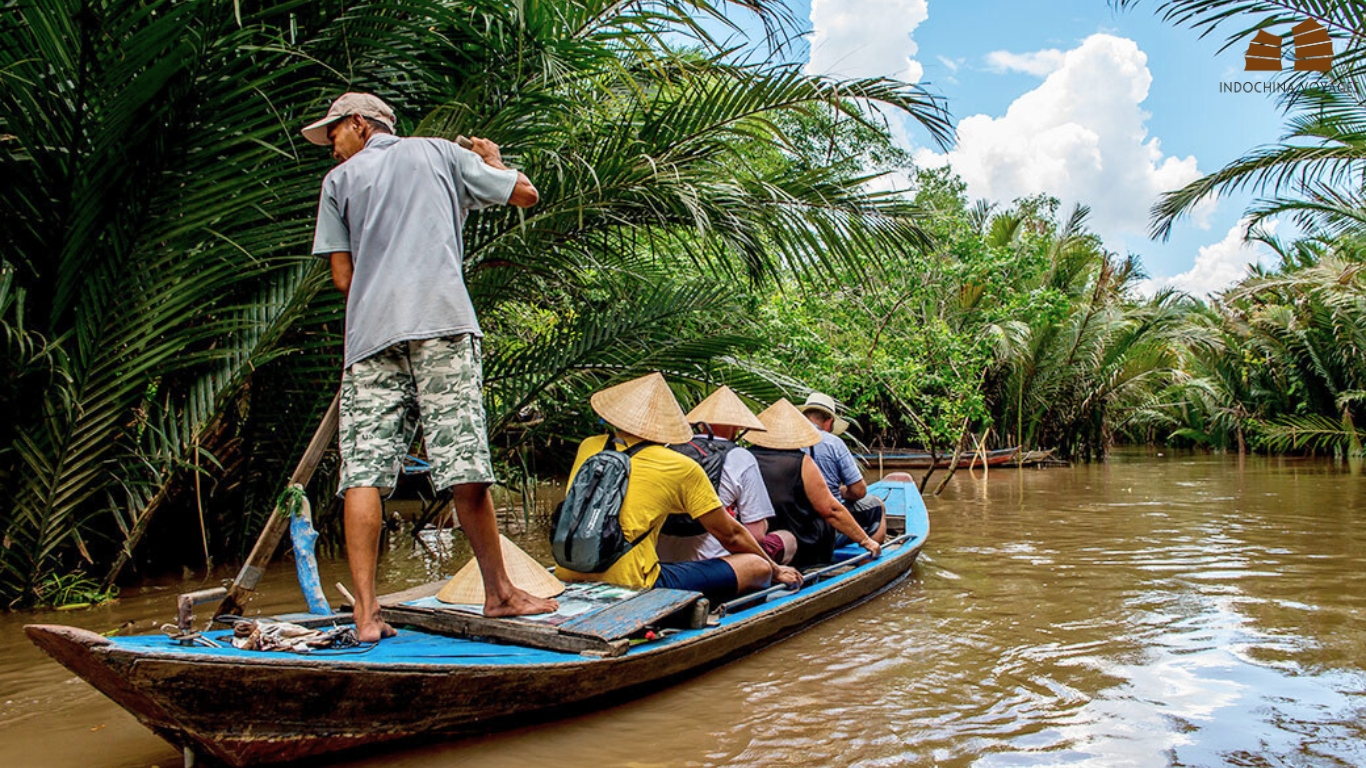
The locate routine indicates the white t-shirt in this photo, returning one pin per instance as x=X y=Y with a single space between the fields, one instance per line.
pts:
x=742 y=493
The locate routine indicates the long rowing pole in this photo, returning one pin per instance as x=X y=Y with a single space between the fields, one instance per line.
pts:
x=239 y=592
x=809 y=577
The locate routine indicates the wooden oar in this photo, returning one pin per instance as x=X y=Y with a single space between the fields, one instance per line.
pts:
x=808 y=578
x=239 y=592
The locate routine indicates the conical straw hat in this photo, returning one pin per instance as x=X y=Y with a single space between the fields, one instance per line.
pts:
x=787 y=428
x=466 y=587
x=724 y=407
x=644 y=407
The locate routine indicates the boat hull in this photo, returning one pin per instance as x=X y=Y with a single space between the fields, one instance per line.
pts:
x=284 y=708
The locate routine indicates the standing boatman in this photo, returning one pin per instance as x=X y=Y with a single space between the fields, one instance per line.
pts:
x=390 y=221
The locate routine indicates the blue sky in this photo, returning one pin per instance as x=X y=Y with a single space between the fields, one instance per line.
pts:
x=1072 y=98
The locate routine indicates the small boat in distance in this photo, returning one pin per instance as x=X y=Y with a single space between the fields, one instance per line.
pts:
x=923 y=459
x=245 y=707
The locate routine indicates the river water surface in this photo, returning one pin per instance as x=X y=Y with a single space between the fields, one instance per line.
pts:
x=1150 y=611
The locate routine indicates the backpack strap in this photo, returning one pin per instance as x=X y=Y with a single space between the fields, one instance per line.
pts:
x=632 y=451
x=613 y=441
x=610 y=444
x=636 y=541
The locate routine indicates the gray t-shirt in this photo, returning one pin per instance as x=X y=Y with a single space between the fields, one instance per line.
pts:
x=398 y=206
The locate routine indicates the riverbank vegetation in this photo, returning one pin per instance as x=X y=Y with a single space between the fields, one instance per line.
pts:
x=169 y=343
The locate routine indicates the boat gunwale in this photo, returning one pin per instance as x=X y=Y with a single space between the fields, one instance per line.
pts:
x=767 y=610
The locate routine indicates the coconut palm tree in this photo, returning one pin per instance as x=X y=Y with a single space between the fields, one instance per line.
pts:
x=153 y=222
x=1307 y=326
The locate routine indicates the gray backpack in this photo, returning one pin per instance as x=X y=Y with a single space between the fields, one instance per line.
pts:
x=585 y=530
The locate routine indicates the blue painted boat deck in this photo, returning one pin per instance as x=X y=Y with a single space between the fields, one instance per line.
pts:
x=415 y=647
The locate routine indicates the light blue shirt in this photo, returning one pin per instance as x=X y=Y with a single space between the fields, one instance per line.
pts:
x=836 y=462
x=399 y=206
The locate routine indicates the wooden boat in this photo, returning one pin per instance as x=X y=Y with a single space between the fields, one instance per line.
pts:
x=1037 y=459
x=922 y=460
x=246 y=707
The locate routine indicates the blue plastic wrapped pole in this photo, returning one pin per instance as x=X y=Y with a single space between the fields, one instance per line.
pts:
x=295 y=504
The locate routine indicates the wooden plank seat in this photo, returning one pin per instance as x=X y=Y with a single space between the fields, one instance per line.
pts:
x=603 y=629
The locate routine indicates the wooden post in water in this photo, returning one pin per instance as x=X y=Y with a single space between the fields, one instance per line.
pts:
x=241 y=588
x=982 y=451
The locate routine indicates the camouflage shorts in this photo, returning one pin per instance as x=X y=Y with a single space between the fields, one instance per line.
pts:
x=437 y=383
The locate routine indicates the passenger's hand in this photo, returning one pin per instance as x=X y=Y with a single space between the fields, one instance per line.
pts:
x=874 y=548
x=787 y=575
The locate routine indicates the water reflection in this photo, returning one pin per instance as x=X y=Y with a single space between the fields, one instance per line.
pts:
x=1184 y=610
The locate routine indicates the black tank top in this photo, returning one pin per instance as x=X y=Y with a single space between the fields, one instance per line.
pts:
x=782 y=473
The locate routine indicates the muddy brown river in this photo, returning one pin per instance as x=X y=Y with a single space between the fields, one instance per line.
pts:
x=1151 y=611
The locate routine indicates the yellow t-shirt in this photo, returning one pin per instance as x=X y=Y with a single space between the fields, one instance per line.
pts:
x=663 y=482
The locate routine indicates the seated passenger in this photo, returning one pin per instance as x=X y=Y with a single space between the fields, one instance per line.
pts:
x=664 y=482
x=801 y=500
x=734 y=474
x=841 y=472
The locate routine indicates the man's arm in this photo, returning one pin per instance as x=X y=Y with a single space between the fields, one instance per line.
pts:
x=752 y=505
x=758 y=529
x=342 y=269
x=852 y=485
x=524 y=194
x=854 y=492
x=738 y=540
x=829 y=507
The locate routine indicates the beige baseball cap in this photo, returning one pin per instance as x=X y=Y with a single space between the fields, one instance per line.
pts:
x=825 y=404
x=363 y=104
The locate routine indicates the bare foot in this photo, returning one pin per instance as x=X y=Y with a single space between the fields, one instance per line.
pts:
x=519 y=603
x=374 y=630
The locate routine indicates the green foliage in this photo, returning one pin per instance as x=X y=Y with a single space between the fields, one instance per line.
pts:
x=70 y=591
x=154 y=219
x=1302 y=331
x=167 y=340
x=1276 y=361
x=1015 y=321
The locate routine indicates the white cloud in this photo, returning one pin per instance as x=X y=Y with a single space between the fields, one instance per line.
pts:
x=1080 y=136
x=866 y=38
x=871 y=38
x=1037 y=63
x=952 y=65
x=1218 y=265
